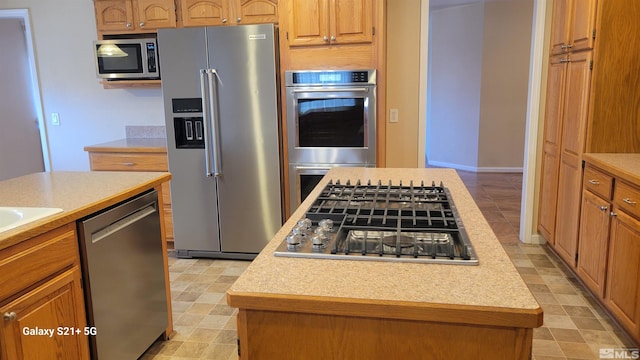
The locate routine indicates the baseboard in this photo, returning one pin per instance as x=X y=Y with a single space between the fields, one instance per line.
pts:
x=476 y=169
x=536 y=239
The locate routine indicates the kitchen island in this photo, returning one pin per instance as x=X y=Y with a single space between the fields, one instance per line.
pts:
x=343 y=309
x=41 y=284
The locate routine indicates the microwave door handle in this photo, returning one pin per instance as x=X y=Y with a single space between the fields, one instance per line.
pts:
x=326 y=90
x=215 y=126
x=208 y=158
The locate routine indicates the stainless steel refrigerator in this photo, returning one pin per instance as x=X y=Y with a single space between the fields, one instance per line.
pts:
x=221 y=106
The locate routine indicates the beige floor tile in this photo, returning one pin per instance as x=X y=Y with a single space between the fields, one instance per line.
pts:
x=219 y=351
x=577 y=350
x=599 y=337
x=193 y=350
x=559 y=321
x=567 y=335
x=578 y=311
x=203 y=335
x=546 y=347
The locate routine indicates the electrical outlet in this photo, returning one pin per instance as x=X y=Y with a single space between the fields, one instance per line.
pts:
x=55 y=119
x=393 y=115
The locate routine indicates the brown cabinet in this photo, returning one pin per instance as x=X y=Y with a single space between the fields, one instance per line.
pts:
x=41 y=289
x=228 y=12
x=134 y=16
x=574 y=25
x=117 y=156
x=329 y=22
x=564 y=137
x=623 y=274
x=594 y=230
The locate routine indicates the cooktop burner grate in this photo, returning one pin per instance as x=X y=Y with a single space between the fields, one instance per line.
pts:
x=382 y=222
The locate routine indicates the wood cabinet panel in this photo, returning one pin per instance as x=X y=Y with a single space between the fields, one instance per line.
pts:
x=256 y=11
x=128 y=162
x=623 y=276
x=37 y=259
x=576 y=105
x=597 y=182
x=560 y=26
x=626 y=197
x=583 y=24
x=57 y=303
x=113 y=15
x=204 y=12
x=568 y=209
x=352 y=21
x=156 y=14
x=551 y=147
x=308 y=22
x=594 y=238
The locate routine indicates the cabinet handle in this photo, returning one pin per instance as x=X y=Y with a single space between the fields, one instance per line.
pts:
x=141 y=24
x=594 y=182
x=128 y=163
x=604 y=208
x=629 y=201
x=333 y=38
x=224 y=20
x=565 y=60
x=128 y=25
x=238 y=19
x=325 y=38
x=613 y=214
x=10 y=316
x=569 y=46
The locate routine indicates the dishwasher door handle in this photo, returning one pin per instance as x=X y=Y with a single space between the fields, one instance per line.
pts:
x=123 y=223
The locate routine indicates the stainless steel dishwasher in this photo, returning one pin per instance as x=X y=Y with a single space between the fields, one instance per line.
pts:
x=123 y=277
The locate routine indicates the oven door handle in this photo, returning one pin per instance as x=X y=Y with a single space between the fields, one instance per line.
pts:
x=313 y=167
x=326 y=90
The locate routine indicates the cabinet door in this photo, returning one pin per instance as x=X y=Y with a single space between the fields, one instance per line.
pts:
x=583 y=24
x=622 y=296
x=351 y=21
x=594 y=237
x=560 y=26
x=568 y=209
x=114 y=15
x=308 y=22
x=57 y=304
x=204 y=12
x=551 y=147
x=155 y=14
x=576 y=106
x=256 y=11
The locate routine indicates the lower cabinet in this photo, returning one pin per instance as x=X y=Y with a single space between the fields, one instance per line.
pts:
x=609 y=245
x=594 y=241
x=41 y=298
x=623 y=271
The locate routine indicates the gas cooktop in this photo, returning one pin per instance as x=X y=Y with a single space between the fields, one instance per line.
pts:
x=381 y=222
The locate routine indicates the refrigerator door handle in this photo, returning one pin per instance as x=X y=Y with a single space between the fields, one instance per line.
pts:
x=215 y=128
x=208 y=158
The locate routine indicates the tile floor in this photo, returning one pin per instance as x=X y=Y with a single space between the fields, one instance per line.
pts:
x=575 y=326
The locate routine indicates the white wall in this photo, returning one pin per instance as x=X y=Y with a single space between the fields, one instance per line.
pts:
x=455 y=69
x=478 y=69
x=63 y=32
x=505 y=77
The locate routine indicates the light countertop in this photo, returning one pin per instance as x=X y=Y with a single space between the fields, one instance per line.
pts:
x=493 y=285
x=78 y=193
x=621 y=165
x=131 y=145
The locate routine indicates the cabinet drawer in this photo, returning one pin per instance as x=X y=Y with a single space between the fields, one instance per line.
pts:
x=597 y=182
x=626 y=197
x=129 y=162
x=34 y=260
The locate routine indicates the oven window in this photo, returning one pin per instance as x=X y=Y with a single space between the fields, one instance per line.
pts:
x=331 y=122
x=307 y=183
x=132 y=63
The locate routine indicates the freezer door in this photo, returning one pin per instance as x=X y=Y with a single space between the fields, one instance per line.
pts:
x=249 y=185
x=182 y=55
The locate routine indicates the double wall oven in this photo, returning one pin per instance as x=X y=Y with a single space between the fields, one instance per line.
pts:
x=331 y=121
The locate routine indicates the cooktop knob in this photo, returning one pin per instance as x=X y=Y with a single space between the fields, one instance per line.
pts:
x=326 y=224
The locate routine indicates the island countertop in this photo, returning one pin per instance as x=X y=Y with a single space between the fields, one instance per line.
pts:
x=395 y=289
x=78 y=194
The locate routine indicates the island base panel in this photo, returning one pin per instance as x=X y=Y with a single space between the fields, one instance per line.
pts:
x=285 y=335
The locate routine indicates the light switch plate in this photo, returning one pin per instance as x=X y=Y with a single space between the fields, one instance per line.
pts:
x=55 y=119
x=393 y=115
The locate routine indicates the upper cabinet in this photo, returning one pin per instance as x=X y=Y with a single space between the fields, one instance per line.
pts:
x=134 y=16
x=574 y=24
x=228 y=12
x=329 y=22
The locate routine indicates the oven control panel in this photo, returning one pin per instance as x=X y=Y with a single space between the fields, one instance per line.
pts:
x=330 y=77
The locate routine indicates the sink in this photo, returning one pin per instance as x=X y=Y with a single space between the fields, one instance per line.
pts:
x=11 y=217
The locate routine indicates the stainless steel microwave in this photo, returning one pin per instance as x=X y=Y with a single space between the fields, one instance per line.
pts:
x=122 y=59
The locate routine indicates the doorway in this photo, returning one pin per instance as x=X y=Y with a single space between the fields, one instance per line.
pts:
x=23 y=146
